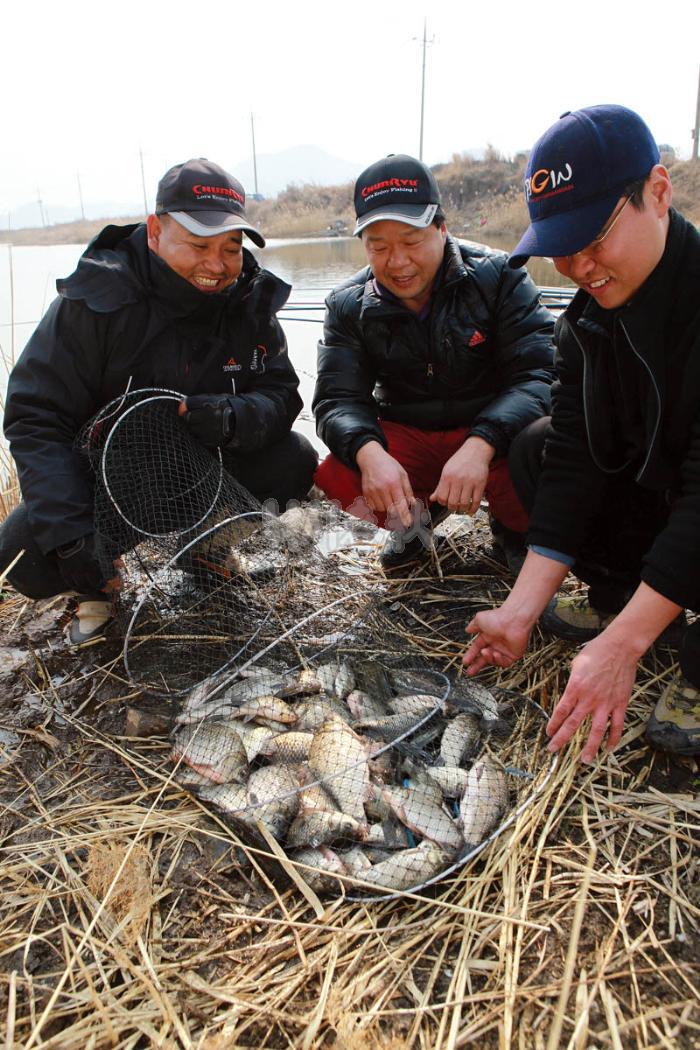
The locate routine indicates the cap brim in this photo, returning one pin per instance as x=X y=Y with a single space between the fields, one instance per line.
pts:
x=419 y=215
x=565 y=233
x=211 y=223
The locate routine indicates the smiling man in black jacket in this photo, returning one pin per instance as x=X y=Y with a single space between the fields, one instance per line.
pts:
x=433 y=358
x=616 y=495
x=176 y=303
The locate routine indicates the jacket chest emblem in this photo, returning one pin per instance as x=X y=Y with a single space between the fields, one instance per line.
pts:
x=232 y=365
x=259 y=356
x=477 y=338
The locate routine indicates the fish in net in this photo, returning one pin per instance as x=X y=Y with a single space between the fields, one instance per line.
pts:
x=375 y=777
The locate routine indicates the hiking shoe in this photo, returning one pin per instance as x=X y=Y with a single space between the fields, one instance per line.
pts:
x=92 y=615
x=574 y=619
x=674 y=726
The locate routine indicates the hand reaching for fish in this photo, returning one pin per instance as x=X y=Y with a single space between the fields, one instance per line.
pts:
x=500 y=640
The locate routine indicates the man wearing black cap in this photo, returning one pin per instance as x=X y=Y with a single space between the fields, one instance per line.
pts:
x=433 y=358
x=613 y=479
x=175 y=303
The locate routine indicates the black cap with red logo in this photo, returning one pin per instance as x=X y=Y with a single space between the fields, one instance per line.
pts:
x=205 y=199
x=397 y=187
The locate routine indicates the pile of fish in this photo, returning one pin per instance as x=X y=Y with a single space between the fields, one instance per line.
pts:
x=369 y=777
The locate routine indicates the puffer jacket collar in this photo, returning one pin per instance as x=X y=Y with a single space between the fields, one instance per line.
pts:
x=452 y=269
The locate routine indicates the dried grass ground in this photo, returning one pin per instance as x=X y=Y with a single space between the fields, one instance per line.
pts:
x=130 y=917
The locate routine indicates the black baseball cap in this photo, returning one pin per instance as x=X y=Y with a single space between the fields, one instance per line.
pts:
x=576 y=174
x=397 y=187
x=205 y=199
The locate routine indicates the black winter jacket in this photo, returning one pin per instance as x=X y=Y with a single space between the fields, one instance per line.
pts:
x=482 y=359
x=658 y=332
x=125 y=317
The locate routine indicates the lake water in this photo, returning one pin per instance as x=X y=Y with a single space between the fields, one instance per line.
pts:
x=312 y=267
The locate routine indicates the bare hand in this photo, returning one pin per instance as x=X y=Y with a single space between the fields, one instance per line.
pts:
x=463 y=479
x=385 y=484
x=499 y=640
x=600 y=684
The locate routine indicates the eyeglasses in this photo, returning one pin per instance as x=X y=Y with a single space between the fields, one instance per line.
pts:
x=597 y=241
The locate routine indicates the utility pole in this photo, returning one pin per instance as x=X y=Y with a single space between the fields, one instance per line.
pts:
x=41 y=207
x=255 y=160
x=143 y=185
x=80 y=195
x=422 y=87
x=696 y=132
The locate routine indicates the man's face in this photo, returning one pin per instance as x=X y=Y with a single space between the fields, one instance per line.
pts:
x=616 y=268
x=405 y=259
x=211 y=264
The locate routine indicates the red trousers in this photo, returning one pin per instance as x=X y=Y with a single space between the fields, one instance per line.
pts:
x=422 y=454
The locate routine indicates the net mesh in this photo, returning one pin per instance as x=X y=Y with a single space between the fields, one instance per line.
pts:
x=301 y=712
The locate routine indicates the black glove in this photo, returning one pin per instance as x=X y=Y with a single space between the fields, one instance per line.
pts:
x=211 y=418
x=79 y=565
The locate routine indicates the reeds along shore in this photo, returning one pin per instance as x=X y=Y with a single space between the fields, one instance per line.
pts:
x=476 y=193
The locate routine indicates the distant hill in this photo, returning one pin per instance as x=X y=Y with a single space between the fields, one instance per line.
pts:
x=298 y=165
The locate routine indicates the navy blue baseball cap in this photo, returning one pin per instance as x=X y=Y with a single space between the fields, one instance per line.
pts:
x=576 y=174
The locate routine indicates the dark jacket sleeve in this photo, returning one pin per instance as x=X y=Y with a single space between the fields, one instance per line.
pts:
x=265 y=412
x=523 y=331
x=672 y=565
x=52 y=390
x=570 y=485
x=345 y=410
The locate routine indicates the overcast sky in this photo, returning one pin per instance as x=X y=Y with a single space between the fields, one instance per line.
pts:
x=85 y=84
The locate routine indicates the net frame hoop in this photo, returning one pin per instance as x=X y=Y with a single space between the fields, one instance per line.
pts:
x=171 y=396
x=155 y=584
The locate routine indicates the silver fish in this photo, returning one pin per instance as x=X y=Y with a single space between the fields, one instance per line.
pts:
x=408 y=868
x=424 y=817
x=314 y=827
x=338 y=758
x=212 y=749
x=315 y=710
x=355 y=861
x=254 y=737
x=321 y=864
x=344 y=680
x=326 y=674
x=460 y=739
x=268 y=708
x=250 y=684
x=272 y=793
x=388 y=835
x=452 y=780
x=372 y=678
x=484 y=802
x=289 y=747
x=390 y=726
x=231 y=798
x=300 y=685
x=362 y=705
x=417 y=704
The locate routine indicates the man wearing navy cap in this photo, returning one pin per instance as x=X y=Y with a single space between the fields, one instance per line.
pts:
x=433 y=358
x=177 y=303
x=613 y=479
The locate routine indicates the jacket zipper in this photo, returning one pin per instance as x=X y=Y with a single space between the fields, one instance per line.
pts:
x=589 y=431
x=658 y=400
x=607 y=470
